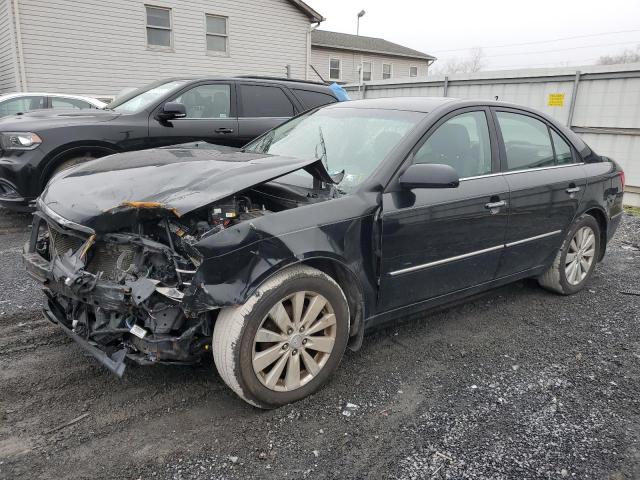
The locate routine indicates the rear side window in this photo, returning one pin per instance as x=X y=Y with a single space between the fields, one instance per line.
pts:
x=314 y=99
x=263 y=101
x=462 y=142
x=563 y=150
x=526 y=141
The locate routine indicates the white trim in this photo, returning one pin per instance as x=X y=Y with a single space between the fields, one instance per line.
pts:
x=339 y=68
x=23 y=72
x=160 y=48
x=390 y=71
x=224 y=53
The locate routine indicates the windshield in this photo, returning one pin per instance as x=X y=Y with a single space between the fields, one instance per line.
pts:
x=353 y=140
x=145 y=98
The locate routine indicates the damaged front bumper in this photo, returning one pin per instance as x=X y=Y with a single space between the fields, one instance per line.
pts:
x=139 y=320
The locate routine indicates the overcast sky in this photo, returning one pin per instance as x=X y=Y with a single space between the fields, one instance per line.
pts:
x=448 y=29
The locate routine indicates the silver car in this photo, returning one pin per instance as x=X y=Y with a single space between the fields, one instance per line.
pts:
x=17 y=103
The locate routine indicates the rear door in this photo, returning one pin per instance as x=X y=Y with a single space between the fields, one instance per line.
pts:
x=261 y=107
x=438 y=241
x=546 y=185
x=211 y=116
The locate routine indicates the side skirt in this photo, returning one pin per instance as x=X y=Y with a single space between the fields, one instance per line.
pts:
x=449 y=299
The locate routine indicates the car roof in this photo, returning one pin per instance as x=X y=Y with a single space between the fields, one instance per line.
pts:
x=426 y=104
x=44 y=94
x=289 y=82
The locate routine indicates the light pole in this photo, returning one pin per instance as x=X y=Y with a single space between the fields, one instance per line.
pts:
x=360 y=15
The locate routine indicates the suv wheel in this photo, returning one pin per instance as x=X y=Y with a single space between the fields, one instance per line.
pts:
x=576 y=259
x=285 y=341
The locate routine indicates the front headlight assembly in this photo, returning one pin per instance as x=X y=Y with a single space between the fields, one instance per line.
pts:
x=19 y=140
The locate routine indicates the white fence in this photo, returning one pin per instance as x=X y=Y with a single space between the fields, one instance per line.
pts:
x=600 y=103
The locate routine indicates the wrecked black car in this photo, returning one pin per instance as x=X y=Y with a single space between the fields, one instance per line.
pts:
x=275 y=258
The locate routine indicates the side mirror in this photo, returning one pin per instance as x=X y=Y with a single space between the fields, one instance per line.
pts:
x=171 y=110
x=426 y=175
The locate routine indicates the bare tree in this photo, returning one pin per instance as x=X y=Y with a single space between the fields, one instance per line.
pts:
x=473 y=62
x=628 y=55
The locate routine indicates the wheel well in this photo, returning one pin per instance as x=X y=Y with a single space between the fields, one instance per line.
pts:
x=349 y=285
x=602 y=223
x=95 y=151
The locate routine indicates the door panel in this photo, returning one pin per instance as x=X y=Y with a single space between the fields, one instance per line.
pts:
x=541 y=208
x=210 y=116
x=436 y=241
x=545 y=189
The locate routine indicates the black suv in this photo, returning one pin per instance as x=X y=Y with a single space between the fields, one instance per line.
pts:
x=224 y=111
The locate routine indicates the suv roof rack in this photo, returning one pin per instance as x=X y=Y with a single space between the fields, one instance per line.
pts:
x=280 y=79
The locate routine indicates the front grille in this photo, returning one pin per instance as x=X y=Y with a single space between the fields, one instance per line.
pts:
x=62 y=243
x=110 y=259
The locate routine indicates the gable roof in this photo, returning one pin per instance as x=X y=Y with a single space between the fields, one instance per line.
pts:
x=345 y=41
x=307 y=10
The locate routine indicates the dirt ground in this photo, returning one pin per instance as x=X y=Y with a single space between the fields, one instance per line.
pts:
x=517 y=384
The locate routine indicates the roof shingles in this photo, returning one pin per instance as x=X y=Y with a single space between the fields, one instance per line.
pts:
x=345 y=41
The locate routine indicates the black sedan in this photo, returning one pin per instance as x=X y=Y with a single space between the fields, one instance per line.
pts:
x=279 y=257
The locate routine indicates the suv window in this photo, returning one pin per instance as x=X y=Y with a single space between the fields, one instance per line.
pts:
x=207 y=101
x=563 y=150
x=73 y=103
x=20 y=105
x=461 y=142
x=264 y=101
x=526 y=141
x=313 y=99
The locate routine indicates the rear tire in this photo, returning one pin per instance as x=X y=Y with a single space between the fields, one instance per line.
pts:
x=576 y=259
x=286 y=340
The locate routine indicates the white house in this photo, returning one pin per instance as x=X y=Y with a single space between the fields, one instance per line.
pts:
x=346 y=58
x=99 y=48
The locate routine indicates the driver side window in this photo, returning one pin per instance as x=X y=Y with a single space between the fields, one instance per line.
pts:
x=207 y=101
x=462 y=142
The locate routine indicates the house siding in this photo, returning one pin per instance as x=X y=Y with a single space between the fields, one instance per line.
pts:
x=99 y=48
x=8 y=68
x=351 y=61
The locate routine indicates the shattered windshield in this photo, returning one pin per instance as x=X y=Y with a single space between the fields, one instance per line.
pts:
x=353 y=140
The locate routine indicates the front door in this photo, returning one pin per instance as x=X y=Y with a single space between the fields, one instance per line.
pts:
x=211 y=116
x=546 y=185
x=438 y=241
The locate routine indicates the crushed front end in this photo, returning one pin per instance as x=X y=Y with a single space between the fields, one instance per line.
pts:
x=121 y=295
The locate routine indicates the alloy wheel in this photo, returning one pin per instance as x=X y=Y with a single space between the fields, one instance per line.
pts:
x=580 y=255
x=294 y=341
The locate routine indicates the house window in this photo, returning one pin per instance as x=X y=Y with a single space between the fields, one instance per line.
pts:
x=217 y=34
x=366 y=71
x=386 y=71
x=413 y=71
x=158 y=27
x=334 y=68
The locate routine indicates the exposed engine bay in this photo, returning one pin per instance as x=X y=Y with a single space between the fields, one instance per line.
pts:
x=123 y=292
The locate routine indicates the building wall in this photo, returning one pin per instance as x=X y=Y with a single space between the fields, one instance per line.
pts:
x=8 y=68
x=351 y=61
x=606 y=107
x=99 y=48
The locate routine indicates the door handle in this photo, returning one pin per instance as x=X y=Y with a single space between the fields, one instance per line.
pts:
x=224 y=130
x=495 y=205
x=571 y=190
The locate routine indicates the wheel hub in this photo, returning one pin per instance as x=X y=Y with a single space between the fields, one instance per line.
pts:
x=296 y=341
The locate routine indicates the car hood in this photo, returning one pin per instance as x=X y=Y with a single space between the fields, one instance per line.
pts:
x=104 y=193
x=41 y=119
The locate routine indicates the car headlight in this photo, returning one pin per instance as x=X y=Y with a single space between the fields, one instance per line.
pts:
x=19 y=140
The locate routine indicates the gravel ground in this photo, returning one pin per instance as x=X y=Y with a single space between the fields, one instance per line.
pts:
x=516 y=384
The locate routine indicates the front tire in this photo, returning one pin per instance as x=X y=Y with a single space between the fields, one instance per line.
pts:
x=285 y=341
x=576 y=259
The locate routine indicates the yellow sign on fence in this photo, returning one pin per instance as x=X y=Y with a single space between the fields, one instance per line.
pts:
x=556 y=100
